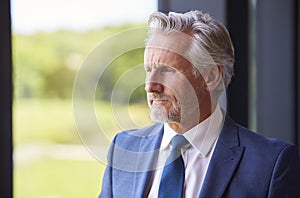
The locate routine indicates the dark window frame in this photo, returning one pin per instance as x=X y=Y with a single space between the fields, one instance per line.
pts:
x=6 y=146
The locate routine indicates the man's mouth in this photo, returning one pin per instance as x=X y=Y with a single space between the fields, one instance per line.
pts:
x=159 y=101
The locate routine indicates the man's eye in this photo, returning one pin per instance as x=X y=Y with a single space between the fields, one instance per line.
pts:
x=167 y=69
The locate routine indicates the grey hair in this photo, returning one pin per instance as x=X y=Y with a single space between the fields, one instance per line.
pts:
x=211 y=44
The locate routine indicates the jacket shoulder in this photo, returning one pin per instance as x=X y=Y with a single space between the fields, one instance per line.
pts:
x=131 y=139
x=249 y=138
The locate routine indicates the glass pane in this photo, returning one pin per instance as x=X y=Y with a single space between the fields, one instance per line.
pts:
x=52 y=41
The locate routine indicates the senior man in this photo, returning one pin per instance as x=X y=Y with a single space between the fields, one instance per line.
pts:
x=195 y=149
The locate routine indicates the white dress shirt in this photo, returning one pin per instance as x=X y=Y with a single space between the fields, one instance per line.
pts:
x=196 y=156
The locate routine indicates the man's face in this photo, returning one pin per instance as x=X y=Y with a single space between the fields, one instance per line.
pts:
x=174 y=92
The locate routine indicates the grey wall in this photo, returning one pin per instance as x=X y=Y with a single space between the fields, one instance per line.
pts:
x=215 y=8
x=276 y=69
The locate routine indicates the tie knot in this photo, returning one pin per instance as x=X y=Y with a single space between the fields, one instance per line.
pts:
x=178 y=141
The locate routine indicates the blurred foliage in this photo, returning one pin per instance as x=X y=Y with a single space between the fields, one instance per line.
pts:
x=45 y=63
x=44 y=121
x=39 y=124
x=51 y=121
x=49 y=177
x=45 y=67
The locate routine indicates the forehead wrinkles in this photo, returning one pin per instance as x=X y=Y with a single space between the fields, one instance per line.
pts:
x=159 y=57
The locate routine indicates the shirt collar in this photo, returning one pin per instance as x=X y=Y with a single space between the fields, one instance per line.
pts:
x=169 y=133
x=202 y=136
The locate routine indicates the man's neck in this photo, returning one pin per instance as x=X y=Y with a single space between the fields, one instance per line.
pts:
x=189 y=123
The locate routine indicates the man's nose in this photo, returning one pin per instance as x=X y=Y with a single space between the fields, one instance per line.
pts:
x=153 y=87
x=153 y=83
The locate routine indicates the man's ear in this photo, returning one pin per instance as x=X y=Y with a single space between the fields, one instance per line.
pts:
x=213 y=77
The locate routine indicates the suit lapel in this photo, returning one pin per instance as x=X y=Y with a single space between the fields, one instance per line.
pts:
x=149 y=149
x=224 y=161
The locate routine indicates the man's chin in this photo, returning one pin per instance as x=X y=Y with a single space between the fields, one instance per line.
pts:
x=158 y=113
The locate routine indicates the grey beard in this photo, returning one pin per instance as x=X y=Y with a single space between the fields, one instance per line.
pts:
x=159 y=114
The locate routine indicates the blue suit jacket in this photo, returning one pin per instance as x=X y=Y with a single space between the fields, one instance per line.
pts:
x=244 y=164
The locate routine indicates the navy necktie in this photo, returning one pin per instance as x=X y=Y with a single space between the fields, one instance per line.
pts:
x=172 y=179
